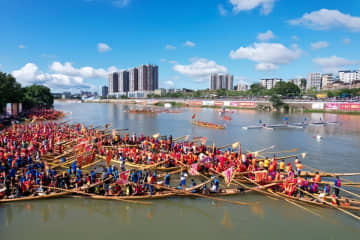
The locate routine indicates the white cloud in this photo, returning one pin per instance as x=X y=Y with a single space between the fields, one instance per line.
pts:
x=266 y=67
x=30 y=74
x=246 y=5
x=103 y=47
x=121 y=3
x=267 y=55
x=169 y=83
x=334 y=63
x=84 y=72
x=265 y=36
x=170 y=47
x=347 y=40
x=326 y=19
x=222 y=10
x=21 y=46
x=172 y=62
x=319 y=44
x=199 y=69
x=189 y=44
x=61 y=76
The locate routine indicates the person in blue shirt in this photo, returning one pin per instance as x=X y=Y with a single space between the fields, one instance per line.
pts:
x=337 y=184
x=216 y=182
x=63 y=159
x=73 y=167
x=193 y=184
x=167 y=180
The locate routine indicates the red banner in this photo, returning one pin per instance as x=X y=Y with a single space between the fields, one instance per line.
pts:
x=350 y=107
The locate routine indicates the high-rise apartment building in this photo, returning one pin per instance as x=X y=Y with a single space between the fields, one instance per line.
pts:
x=104 y=91
x=133 y=79
x=314 y=81
x=142 y=78
x=221 y=81
x=113 y=83
x=269 y=83
x=213 y=79
x=123 y=81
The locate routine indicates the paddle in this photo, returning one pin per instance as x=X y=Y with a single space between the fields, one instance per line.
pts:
x=340 y=209
x=182 y=192
x=98 y=197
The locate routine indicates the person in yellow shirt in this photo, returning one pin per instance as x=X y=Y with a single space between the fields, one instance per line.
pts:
x=282 y=166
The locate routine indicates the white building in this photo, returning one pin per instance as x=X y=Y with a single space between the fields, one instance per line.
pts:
x=313 y=81
x=349 y=76
x=297 y=82
x=242 y=87
x=269 y=83
x=326 y=80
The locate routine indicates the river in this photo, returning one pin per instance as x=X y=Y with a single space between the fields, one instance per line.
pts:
x=179 y=218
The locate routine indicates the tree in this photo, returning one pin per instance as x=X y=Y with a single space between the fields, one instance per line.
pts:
x=10 y=90
x=276 y=101
x=286 y=89
x=37 y=96
x=303 y=83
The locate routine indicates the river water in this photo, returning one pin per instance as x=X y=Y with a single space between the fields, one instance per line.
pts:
x=178 y=218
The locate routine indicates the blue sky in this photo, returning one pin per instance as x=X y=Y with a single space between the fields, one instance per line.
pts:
x=72 y=44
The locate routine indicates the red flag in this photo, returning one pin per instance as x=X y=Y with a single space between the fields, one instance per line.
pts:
x=193 y=116
x=123 y=177
x=203 y=140
x=260 y=176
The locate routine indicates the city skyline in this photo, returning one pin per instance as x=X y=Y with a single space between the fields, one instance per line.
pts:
x=68 y=49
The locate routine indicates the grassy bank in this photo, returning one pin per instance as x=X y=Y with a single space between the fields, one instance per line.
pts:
x=329 y=111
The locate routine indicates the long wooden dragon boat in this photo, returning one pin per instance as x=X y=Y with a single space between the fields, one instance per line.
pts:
x=47 y=196
x=208 y=125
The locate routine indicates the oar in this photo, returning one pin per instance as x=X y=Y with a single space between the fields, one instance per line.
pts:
x=278 y=195
x=182 y=192
x=329 y=204
x=351 y=193
x=97 y=196
x=178 y=138
x=284 y=151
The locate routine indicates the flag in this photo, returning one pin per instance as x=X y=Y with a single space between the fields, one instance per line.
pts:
x=193 y=170
x=228 y=175
x=303 y=155
x=193 y=116
x=260 y=176
x=123 y=177
x=203 y=140
x=235 y=145
x=156 y=135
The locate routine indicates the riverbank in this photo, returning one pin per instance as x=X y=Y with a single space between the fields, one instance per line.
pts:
x=293 y=106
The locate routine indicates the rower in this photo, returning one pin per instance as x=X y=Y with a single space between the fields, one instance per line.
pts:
x=183 y=180
x=337 y=184
x=317 y=177
x=282 y=166
x=167 y=179
x=299 y=167
x=193 y=184
x=327 y=189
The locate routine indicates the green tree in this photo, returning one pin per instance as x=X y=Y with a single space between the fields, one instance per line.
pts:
x=10 y=90
x=37 y=96
x=286 y=89
x=276 y=102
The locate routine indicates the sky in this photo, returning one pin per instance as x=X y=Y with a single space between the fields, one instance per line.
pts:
x=73 y=44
